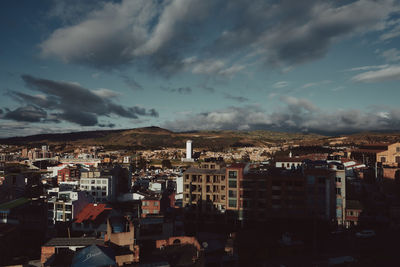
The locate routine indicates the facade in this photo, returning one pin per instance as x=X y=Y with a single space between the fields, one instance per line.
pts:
x=259 y=195
x=150 y=206
x=353 y=212
x=205 y=187
x=67 y=205
x=68 y=174
x=370 y=154
x=101 y=187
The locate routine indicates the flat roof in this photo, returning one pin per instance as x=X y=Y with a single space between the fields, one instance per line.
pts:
x=73 y=241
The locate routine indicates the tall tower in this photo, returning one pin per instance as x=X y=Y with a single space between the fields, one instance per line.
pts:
x=189 y=149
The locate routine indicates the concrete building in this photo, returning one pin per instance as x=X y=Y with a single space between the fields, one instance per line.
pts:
x=67 y=205
x=258 y=195
x=205 y=185
x=68 y=174
x=101 y=187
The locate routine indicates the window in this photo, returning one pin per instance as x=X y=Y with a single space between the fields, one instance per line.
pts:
x=103 y=194
x=145 y=203
x=156 y=203
x=232 y=184
x=338 y=191
x=232 y=174
x=310 y=179
x=68 y=207
x=398 y=149
x=276 y=192
x=338 y=179
x=155 y=211
x=397 y=159
x=383 y=159
x=104 y=181
x=232 y=193
x=232 y=203
x=92 y=181
x=145 y=211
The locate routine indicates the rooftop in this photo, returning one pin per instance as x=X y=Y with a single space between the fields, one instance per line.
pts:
x=73 y=241
x=91 y=212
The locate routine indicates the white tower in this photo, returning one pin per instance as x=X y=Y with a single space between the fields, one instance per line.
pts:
x=189 y=149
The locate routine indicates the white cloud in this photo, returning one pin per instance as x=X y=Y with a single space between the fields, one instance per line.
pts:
x=280 y=84
x=389 y=73
x=391 y=55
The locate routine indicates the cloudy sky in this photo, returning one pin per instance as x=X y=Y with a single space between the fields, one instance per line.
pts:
x=311 y=66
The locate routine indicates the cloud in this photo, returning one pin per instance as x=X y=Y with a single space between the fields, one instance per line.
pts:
x=161 y=35
x=211 y=66
x=27 y=113
x=374 y=67
x=391 y=55
x=106 y=125
x=389 y=73
x=295 y=115
x=181 y=90
x=280 y=84
x=236 y=98
x=131 y=82
x=70 y=102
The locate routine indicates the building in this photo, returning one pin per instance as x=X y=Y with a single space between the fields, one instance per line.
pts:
x=92 y=219
x=256 y=195
x=205 y=187
x=101 y=187
x=354 y=209
x=150 y=206
x=384 y=153
x=66 y=206
x=68 y=174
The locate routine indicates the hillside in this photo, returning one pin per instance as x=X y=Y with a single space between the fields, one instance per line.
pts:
x=155 y=137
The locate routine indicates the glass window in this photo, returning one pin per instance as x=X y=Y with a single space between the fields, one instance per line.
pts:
x=156 y=203
x=145 y=211
x=232 y=174
x=104 y=181
x=338 y=191
x=232 y=193
x=398 y=149
x=103 y=194
x=232 y=203
x=383 y=159
x=232 y=184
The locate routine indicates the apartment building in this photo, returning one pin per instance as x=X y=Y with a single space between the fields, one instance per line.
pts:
x=66 y=205
x=101 y=187
x=205 y=187
x=254 y=194
x=68 y=174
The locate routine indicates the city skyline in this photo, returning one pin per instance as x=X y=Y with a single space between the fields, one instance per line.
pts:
x=199 y=65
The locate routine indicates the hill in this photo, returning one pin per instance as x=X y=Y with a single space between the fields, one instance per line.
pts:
x=155 y=138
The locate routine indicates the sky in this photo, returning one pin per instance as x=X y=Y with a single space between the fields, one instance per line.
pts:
x=326 y=67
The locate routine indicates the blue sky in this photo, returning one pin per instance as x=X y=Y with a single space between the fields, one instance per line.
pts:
x=306 y=66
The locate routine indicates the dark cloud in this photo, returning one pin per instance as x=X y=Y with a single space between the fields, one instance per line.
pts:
x=296 y=115
x=131 y=82
x=1 y=111
x=70 y=102
x=27 y=113
x=161 y=36
x=107 y=125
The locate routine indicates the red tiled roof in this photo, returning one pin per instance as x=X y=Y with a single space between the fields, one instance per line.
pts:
x=91 y=212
